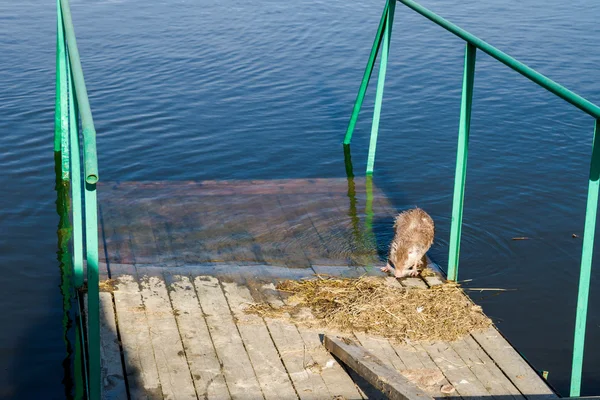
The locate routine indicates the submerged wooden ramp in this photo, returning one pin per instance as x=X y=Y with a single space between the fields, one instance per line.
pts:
x=185 y=259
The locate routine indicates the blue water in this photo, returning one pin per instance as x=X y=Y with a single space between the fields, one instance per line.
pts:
x=239 y=90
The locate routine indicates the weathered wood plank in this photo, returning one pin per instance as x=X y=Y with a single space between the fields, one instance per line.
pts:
x=139 y=225
x=421 y=370
x=433 y=280
x=414 y=282
x=300 y=236
x=237 y=368
x=116 y=233
x=308 y=382
x=511 y=362
x=456 y=371
x=496 y=384
x=428 y=363
x=138 y=352
x=341 y=271
x=199 y=350
x=173 y=370
x=113 y=378
x=337 y=380
x=492 y=367
x=390 y=382
x=231 y=187
x=269 y=369
x=382 y=349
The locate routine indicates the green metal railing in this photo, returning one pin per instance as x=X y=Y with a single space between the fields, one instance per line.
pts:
x=472 y=44
x=72 y=106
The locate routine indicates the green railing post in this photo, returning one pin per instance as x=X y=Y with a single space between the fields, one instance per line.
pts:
x=75 y=183
x=60 y=55
x=93 y=328
x=367 y=75
x=61 y=140
x=586 y=265
x=380 y=84
x=461 y=160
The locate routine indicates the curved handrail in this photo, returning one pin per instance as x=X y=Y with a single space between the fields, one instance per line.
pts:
x=87 y=122
x=528 y=72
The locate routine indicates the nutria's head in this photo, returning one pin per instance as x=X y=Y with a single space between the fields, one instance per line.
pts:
x=403 y=260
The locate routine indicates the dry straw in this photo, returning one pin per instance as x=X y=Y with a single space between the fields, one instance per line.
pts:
x=372 y=305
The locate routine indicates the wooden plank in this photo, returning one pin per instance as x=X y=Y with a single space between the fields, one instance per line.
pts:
x=421 y=370
x=266 y=229
x=138 y=352
x=338 y=382
x=493 y=367
x=159 y=217
x=496 y=383
x=433 y=280
x=304 y=233
x=229 y=187
x=367 y=365
x=334 y=376
x=118 y=240
x=308 y=381
x=456 y=371
x=382 y=349
x=199 y=350
x=414 y=283
x=272 y=376
x=343 y=272
x=512 y=364
x=173 y=370
x=139 y=225
x=331 y=227
x=113 y=378
x=237 y=368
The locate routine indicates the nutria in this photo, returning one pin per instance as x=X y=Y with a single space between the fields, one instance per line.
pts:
x=414 y=236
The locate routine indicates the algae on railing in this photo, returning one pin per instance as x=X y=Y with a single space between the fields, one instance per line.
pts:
x=473 y=43
x=72 y=106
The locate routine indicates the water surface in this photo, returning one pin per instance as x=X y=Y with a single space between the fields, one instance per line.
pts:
x=196 y=90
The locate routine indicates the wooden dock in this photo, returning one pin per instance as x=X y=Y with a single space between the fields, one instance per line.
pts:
x=186 y=258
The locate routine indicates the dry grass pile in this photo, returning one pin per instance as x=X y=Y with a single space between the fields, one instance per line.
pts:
x=372 y=305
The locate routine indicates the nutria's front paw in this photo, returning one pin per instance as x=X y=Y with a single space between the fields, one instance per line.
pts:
x=387 y=268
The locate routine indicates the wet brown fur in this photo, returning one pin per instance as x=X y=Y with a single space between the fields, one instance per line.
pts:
x=414 y=233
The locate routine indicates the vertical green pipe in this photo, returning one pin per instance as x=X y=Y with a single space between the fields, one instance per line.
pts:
x=369 y=241
x=75 y=183
x=61 y=140
x=367 y=75
x=60 y=51
x=586 y=266
x=91 y=235
x=380 y=83
x=461 y=160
